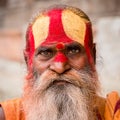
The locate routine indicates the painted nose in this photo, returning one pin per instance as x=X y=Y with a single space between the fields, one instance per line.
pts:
x=60 y=64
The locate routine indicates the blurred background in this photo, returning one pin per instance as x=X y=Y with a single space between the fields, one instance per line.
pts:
x=14 y=18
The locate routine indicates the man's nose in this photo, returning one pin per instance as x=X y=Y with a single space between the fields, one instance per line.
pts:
x=60 y=64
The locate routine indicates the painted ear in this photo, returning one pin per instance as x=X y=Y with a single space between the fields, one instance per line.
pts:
x=27 y=59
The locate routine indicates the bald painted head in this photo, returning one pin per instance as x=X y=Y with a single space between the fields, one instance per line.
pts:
x=59 y=25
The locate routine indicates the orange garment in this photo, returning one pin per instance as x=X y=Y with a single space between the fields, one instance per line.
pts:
x=13 y=110
x=112 y=107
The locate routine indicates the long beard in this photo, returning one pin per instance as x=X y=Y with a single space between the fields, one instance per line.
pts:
x=74 y=99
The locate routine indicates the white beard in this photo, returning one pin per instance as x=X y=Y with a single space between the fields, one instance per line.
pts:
x=71 y=101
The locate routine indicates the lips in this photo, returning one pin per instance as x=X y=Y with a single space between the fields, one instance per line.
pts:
x=60 y=82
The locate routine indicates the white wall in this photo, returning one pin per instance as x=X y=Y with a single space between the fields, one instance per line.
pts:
x=108 y=53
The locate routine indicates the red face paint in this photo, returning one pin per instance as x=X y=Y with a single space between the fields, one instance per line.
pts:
x=88 y=41
x=30 y=47
x=56 y=32
x=57 y=35
x=60 y=57
x=60 y=46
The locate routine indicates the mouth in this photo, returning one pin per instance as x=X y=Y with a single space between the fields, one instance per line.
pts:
x=60 y=82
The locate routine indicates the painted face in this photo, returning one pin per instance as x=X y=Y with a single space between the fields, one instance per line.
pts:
x=60 y=57
x=60 y=27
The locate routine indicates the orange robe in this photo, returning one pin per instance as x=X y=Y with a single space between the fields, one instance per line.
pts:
x=13 y=108
x=112 y=107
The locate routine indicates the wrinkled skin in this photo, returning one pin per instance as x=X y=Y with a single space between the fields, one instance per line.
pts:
x=60 y=89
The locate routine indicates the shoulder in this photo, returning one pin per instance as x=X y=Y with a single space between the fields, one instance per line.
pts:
x=112 y=107
x=11 y=101
x=12 y=108
x=11 y=104
x=113 y=100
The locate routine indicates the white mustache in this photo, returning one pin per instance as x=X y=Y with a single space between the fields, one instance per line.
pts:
x=73 y=77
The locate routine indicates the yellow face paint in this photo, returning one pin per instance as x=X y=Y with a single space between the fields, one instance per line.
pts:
x=74 y=26
x=40 y=29
x=60 y=25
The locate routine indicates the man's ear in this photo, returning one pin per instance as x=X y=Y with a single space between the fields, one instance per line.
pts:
x=25 y=56
x=94 y=52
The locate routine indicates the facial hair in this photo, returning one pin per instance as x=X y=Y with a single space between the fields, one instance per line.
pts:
x=73 y=99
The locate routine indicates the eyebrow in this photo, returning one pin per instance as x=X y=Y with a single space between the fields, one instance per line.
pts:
x=74 y=44
x=68 y=45
x=42 y=48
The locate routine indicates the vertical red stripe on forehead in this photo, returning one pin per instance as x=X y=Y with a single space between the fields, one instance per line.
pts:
x=56 y=30
x=56 y=27
x=30 y=45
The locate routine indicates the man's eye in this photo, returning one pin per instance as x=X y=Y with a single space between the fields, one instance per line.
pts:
x=73 y=51
x=46 y=53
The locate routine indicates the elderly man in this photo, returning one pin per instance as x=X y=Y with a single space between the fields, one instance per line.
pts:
x=61 y=83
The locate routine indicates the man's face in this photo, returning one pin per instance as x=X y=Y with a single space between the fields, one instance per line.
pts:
x=62 y=81
x=60 y=58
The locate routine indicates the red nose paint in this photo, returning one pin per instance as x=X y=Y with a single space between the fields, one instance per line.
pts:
x=60 y=57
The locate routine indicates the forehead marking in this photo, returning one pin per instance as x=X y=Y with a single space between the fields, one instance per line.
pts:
x=60 y=46
x=56 y=31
